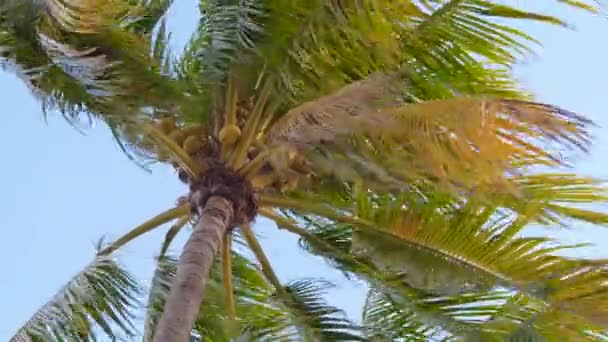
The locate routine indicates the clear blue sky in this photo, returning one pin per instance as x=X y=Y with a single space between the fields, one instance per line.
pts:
x=60 y=191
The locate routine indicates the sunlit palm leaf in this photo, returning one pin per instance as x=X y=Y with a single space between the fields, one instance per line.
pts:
x=418 y=311
x=445 y=46
x=454 y=248
x=472 y=314
x=364 y=132
x=102 y=296
x=315 y=47
x=486 y=238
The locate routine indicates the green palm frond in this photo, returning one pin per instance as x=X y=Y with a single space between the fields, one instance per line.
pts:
x=166 y=268
x=385 y=322
x=391 y=317
x=444 y=48
x=227 y=30
x=319 y=46
x=261 y=313
x=103 y=295
x=315 y=320
x=419 y=313
x=150 y=15
x=475 y=312
x=298 y=312
x=447 y=250
x=474 y=236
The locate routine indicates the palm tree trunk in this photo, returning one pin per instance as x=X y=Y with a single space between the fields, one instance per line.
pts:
x=193 y=269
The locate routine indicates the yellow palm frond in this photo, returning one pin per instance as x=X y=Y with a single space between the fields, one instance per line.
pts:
x=364 y=131
x=87 y=16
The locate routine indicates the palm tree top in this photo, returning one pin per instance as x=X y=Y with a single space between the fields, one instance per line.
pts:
x=390 y=136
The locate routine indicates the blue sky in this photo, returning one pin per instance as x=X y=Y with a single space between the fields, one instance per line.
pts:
x=60 y=191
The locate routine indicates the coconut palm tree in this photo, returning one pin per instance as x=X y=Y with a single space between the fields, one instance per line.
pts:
x=389 y=136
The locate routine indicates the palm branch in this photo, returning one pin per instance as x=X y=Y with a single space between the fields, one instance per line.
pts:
x=419 y=269
x=262 y=313
x=101 y=297
x=400 y=120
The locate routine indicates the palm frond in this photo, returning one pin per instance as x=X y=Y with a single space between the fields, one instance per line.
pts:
x=446 y=46
x=160 y=285
x=103 y=295
x=448 y=250
x=365 y=132
x=458 y=307
x=261 y=313
x=227 y=32
x=314 y=319
x=485 y=236
x=93 y=61
x=391 y=317
x=418 y=313
x=553 y=197
x=383 y=323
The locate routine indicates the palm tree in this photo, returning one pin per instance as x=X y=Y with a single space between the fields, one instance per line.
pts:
x=389 y=136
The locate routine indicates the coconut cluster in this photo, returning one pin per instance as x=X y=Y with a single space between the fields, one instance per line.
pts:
x=284 y=170
x=189 y=137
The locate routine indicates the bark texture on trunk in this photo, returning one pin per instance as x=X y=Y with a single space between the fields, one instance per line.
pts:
x=198 y=255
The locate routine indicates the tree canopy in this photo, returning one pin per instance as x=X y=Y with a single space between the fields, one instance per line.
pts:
x=390 y=136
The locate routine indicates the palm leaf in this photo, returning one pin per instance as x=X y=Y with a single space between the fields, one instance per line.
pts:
x=391 y=317
x=166 y=268
x=364 y=132
x=419 y=313
x=100 y=62
x=102 y=295
x=314 y=319
x=261 y=314
x=446 y=250
x=315 y=47
x=383 y=323
x=467 y=309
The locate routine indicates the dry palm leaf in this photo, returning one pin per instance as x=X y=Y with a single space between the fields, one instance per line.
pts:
x=366 y=131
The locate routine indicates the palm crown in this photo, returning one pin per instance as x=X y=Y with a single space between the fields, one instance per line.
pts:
x=388 y=135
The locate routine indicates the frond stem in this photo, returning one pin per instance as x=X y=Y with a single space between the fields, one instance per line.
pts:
x=250 y=129
x=289 y=203
x=145 y=227
x=251 y=168
x=172 y=233
x=257 y=250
